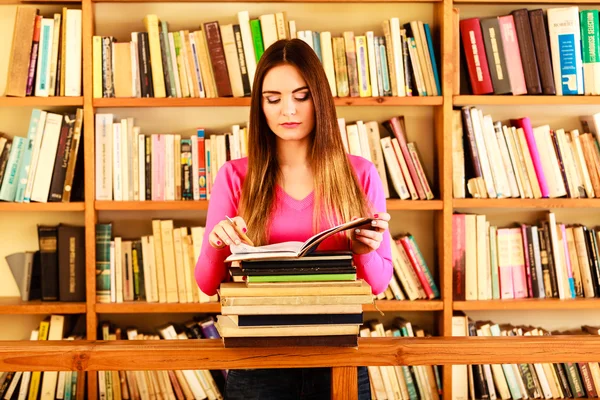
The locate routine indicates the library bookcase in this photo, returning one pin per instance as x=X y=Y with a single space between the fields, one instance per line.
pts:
x=429 y=122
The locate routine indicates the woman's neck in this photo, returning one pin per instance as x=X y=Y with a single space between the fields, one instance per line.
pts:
x=292 y=153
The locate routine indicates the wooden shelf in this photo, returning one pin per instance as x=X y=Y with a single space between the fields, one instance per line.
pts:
x=40 y=101
x=194 y=205
x=525 y=100
x=33 y=207
x=528 y=304
x=41 y=307
x=245 y=102
x=404 y=305
x=142 y=307
x=526 y=203
x=528 y=1
x=154 y=308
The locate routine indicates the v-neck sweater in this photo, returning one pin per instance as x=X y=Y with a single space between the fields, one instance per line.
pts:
x=291 y=220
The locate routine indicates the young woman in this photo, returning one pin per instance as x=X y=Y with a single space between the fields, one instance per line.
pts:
x=296 y=181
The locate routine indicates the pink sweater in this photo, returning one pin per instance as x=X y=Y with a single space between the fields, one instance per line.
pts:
x=291 y=221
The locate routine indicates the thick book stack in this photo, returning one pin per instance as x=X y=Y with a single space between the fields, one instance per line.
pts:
x=550 y=260
x=309 y=301
x=526 y=52
x=45 y=58
x=219 y=60
x=47 y=165
x=522 y=380
x=519 y=159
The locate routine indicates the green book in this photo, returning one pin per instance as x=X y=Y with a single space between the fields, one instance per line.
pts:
x=302 y=278
x=257 y=40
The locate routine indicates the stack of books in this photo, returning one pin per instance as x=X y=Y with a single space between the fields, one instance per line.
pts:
x=288 y=294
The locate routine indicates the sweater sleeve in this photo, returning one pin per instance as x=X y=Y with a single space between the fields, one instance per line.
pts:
x=210 y=267
x=375 y=267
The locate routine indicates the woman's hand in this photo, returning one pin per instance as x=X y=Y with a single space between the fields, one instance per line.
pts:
x=368 y=238
x=223 y=234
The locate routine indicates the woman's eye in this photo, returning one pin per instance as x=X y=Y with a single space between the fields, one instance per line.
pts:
x=272 y=100
x=302 y=96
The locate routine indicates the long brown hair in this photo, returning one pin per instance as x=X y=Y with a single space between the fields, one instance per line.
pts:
x=337 y=193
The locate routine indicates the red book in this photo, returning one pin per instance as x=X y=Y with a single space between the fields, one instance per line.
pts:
x=477 y=64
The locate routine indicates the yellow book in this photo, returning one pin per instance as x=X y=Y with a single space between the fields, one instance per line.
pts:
x=158 y=80
x=362 y=65
x=36 y=376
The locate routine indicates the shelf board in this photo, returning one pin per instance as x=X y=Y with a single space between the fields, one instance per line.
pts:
x=526 y=203
x=142 y=307
x=194 y=205
x=525 y=100
x=40 y=307
x=404 y=305
x=245 y=102
x=33 y=207
x=528 y=304
x=40 y=101
x=396 y=204
x=153 y=308
x=528 y=1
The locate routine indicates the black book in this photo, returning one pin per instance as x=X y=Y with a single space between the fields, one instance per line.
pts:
x=48 y=237
x=494 y=49
x=297 y=319
x=71 y=263
x=291 y=271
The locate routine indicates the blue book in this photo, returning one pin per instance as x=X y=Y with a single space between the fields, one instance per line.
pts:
x=316 y=37
x=8 y=190
x=433 y=62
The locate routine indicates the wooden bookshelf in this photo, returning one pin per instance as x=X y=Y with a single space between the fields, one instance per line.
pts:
x=40 y=101
x=528 y=304
x=525 y=100
x=245 y=102
x=39 y=207
x=41 y=307
x=526 y=203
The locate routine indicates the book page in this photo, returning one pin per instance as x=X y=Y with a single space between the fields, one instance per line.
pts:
x=313 y=242
x=244 y=248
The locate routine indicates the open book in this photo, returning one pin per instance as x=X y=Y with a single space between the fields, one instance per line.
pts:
x=290 y=249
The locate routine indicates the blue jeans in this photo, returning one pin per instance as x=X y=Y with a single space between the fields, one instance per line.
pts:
x=284 y=384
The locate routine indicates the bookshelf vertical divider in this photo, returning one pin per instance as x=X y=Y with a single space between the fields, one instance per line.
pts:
x=90 y=185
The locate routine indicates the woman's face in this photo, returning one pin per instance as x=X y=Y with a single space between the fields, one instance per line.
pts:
x=287 y=103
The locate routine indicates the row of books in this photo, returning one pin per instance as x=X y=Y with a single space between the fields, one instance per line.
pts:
x=518 y=54
x=47 y=164
x=45 y=58
x=496 y=160
x=402 y=382
x=158 y=267
x=55 y=272
x=171 y=384
x=21 y=385
x=394 y=156
x=134 y=166
x=545 y=261
x=219 y=60
x=522 y=380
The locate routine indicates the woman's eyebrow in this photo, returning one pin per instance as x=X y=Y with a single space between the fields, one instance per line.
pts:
x=293 y=91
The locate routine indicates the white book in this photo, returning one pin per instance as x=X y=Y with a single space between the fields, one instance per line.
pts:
x=373 y=135
x=179 y=266
x=514 y=159
x=508 y=168
x=292 y=28
x=394 y=168
x=404 y=168
x=188 y=267
x=244 y=21
x=117 y=172
x=135 y=164
x=372 y=63
x=135 y=66
x=73 y=53
x=556 y=185
x=268 y=27
x=558 y=265
x=397 y=52
x=484 y=288
x=196 y=64
x=113 y=272
x=573 y=182
x=493 y=151
x=343 y=134
x=104 y=156
x=142 y=167
x=483 y=156
x=328 y=65
x=37 y=143
x=231 y=60
x=365 y=150
x=125 y=157
x=353 y=140
x=194 y=92
x=47 y=155
x=56 y=34
x=42 y=76
x=581 y=165
x=565 y=47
